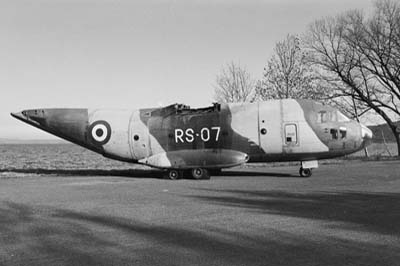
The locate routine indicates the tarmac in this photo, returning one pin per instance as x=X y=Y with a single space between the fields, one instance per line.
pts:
x=345 y=214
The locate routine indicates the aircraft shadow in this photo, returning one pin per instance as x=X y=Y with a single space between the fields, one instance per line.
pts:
x=69 y=237
x=364 y=211
x=137 y=173
x=254 y=173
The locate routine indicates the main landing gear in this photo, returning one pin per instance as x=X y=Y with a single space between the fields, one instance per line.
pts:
x=306 y=168
x=173 y=174
x=200 y=173
x=195 y=173
x=305 y=172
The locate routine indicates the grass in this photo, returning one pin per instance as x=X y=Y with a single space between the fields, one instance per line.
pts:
x=377 y=150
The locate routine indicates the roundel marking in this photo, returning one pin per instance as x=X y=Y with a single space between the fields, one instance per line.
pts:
x=100 y=132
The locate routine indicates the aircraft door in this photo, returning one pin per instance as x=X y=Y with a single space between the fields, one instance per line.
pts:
x=270 y=129
x=138 y=137
x=290 y=134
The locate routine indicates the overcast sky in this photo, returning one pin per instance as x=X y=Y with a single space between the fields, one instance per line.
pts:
x=132 y=54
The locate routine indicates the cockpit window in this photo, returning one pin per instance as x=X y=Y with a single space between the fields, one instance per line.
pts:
x=334 y=133
x=331 y=116
x=343 y=132
x=322 y=117
x=341 y=117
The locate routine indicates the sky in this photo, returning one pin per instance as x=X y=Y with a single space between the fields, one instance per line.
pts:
x=136 y=54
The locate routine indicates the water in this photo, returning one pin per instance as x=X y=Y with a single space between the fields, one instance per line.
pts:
x=20 y=159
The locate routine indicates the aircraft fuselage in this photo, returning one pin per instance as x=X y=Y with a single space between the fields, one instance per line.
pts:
x=219 y=136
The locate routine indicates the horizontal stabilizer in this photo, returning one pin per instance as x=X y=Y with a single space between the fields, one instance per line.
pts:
x=206 y=158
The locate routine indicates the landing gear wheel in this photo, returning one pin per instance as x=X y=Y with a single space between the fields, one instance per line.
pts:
x=200 y=173
x=173 y=174
x=305 y=172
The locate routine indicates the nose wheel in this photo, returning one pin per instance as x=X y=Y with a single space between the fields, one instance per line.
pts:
x=305 y=172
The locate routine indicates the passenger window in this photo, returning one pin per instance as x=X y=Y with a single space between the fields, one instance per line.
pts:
x=334 y=133
x=322 y=117
x=291 y=134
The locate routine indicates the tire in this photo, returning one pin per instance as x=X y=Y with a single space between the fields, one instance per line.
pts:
x=200 y=173
x=173 y=174
x=305 y=172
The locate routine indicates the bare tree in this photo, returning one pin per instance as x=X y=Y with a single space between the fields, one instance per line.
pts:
x=361 y=57
x=234 y=84
x=287 y=74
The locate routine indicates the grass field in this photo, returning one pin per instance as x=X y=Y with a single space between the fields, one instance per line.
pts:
x=379 y=150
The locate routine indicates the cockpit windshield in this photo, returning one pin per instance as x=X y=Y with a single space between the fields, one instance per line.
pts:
x=331 y=116
x=341 y=117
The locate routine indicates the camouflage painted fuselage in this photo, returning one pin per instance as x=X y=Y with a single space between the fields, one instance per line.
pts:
x=219 y=136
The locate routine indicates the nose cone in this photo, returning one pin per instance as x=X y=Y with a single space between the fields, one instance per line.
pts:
x=35 y=117
x=18 y=115
x=70 y=124
x=366 y=135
